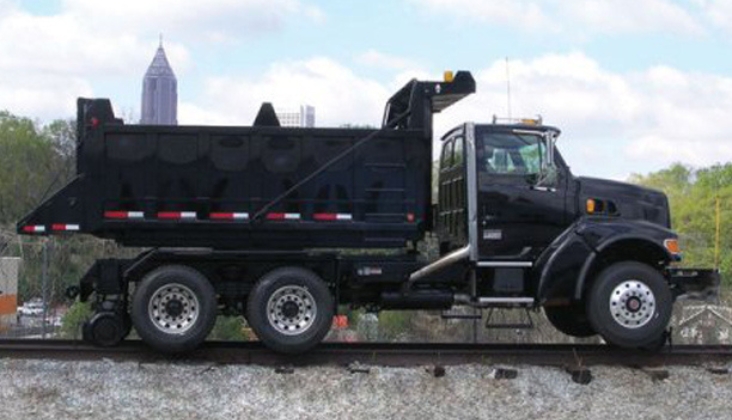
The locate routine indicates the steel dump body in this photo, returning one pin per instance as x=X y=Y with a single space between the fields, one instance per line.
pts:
x=209 y=187
x=258 y=187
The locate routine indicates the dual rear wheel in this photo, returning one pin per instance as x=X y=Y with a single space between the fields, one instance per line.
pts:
x=174 y=309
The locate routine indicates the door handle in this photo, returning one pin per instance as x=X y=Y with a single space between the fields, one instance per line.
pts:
x=545 y=189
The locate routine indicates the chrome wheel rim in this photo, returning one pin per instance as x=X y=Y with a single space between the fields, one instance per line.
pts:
x=173 y=309
x=632 y=304
x=291 y=310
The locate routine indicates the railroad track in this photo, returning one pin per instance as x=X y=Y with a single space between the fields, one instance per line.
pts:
x=384 y=354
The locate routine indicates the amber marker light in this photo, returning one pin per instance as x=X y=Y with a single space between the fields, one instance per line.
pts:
x=590 y=206
x=448 y=76
x=672 y=245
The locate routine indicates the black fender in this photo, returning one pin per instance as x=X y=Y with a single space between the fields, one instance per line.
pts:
x=565 y=267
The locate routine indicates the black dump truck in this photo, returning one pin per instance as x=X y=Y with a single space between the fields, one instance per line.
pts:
x=264 y=221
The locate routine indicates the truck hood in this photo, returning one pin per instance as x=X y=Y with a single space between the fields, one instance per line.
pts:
x=625 y=200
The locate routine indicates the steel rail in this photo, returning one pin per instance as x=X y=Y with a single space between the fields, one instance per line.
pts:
x=381 y=354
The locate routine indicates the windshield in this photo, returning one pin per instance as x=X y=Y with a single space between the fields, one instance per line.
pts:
x=510 y=153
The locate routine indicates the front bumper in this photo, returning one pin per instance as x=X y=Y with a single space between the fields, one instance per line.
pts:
x=695 y=284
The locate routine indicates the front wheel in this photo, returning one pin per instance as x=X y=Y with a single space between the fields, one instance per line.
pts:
x=290 y=309
x=571 y=320
x=630 y=305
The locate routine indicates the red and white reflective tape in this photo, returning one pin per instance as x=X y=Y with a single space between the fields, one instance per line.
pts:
x=331 y=217
x=34 y=229
x=229 y=216
x=60 y=227
x=177 y=215
x=283 y=216
x=123 y=215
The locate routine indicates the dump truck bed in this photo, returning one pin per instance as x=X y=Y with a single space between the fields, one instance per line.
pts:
x=254 y=187
x=208 y=186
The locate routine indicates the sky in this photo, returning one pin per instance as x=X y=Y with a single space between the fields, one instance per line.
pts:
x=634 y=85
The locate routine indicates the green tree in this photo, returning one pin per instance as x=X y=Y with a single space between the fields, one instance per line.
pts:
x=27 y=160
x=693 y=195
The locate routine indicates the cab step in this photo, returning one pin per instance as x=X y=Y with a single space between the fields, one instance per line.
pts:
x=527 y=324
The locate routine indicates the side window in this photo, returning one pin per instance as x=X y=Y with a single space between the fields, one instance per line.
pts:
x=446 y=160
x=511 y=154
x=457 y=154
x=531 y=157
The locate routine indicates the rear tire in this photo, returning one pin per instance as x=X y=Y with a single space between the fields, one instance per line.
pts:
x=290 y=309
x=570 y=320
x=630 y=305
x=174 y=308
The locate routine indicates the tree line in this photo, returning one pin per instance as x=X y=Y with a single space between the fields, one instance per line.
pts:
x=699 y=198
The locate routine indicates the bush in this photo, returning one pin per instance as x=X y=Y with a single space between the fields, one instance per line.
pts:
x=71 y=323
x=228 y=328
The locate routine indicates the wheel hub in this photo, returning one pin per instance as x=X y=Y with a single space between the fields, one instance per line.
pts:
x=291 y=310
x=173 y=309
x=632 y=304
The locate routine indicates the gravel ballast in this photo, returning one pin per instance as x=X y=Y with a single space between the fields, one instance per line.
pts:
x=112 y=390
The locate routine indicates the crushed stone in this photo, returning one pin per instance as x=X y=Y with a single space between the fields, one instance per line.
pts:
x=57 y=390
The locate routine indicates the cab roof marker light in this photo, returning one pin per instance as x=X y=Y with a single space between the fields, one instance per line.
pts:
x=537 y=121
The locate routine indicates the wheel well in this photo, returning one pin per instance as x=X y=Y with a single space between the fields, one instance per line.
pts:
x=639 y=250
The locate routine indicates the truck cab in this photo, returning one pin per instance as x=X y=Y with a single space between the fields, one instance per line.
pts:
x=597 y=255
x=518 y=193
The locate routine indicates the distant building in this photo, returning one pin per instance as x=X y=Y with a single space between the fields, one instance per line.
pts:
x=305 y=117
x=159 y=92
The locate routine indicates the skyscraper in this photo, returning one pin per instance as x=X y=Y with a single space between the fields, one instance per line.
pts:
x=304 y=117
x=159 y=92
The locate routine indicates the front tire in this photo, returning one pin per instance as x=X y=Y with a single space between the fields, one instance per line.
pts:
x=290 y=309
x=630 y=305
x=174 y=308
x=570 y=320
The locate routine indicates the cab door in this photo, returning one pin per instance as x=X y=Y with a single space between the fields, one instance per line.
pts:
x=521 y=205
x=452 y=213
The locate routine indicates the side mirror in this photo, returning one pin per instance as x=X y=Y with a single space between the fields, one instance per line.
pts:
x=548 y=174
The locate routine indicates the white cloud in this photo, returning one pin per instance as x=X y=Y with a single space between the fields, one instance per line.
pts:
x=719 y=12
x=631 y=16
x=613 y=123
x=529 y=14
x=381 y=60
x=87 y=41
x=42 y=95
x=193 y=19
x=577 y=17
x=339 y=95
